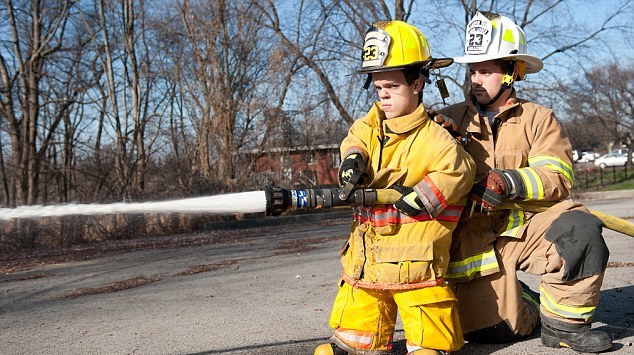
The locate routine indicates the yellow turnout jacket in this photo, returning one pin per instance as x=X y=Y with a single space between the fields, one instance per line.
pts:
x=390 y=250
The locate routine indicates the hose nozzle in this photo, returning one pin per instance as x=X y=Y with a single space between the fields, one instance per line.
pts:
x=277 y=200
x=280 y=200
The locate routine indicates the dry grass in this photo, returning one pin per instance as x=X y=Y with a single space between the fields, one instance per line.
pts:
x=11 y=262
x=619 y=264
x=113 y=287
x=304 y=245
x=25 y=277
x=197 y=269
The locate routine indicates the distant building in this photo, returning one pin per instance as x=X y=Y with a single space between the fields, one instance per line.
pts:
x=296 y=167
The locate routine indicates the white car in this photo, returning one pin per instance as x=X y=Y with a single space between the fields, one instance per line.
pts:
x=611 y=159
x=587 y=157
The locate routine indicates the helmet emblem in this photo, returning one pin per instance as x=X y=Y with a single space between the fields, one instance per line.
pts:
x=478 y=34
x=376 y=47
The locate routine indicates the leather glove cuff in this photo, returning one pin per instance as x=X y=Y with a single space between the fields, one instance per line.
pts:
x=516 y=186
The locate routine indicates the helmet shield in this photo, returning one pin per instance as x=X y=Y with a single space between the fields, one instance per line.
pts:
x=375 y=49
x=478 y=36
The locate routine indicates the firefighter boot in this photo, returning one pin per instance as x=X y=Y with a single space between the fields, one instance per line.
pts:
x=329 y=349
x=428 y=352
x=531 y=298
x=578 y=337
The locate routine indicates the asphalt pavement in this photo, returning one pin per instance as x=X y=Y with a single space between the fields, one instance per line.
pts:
x=267 y=291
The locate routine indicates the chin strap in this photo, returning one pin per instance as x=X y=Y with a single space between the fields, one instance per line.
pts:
x=507 y=81
x=368 y=80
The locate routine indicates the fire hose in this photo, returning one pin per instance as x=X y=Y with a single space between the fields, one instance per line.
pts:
x=280 y=200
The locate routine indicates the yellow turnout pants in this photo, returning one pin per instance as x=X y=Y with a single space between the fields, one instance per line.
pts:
x=364 y=319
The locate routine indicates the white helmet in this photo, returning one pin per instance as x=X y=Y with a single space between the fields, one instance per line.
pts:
x=490 y=36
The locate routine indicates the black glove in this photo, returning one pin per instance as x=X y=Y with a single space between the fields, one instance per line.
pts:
x=409 y=203
x=353 y=170
x=496 y=186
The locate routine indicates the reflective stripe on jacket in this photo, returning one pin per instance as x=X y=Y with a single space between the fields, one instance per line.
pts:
x=387 y=248
x=530 y=139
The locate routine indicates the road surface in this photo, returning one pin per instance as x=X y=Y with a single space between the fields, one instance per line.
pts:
x=264 y=292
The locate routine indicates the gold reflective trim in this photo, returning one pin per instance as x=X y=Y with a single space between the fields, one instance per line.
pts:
x=534 y=186
x=555 y=164
x=516 y=220
x=562 y=310
x=469 y=266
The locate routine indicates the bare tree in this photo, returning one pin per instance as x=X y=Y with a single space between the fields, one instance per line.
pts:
x=328 y=32
x=126 y=55
x=35 y=32
x=220 y=66
x=68 y=83
x=602 y=100
x=326 y=39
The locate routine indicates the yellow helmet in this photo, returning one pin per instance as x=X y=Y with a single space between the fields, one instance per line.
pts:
x=394 y=45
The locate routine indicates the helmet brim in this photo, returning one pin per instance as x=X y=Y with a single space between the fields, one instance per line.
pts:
x=533 y=64
x=436 y=63
x=441 y=63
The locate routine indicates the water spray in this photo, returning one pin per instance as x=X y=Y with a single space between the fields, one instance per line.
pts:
x=242 y=202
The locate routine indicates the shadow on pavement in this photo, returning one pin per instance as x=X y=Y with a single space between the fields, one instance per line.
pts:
x=305 y=346
x=615 y=314
x=617 y=323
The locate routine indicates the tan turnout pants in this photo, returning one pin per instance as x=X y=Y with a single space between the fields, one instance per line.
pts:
x=489 y=300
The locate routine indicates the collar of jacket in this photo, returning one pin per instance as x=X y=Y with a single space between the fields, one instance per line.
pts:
x=476 y=122
x=402 y=124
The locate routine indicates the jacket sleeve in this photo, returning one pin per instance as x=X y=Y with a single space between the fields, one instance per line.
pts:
x=356 y=141
x=549 y=175
x=450 y=178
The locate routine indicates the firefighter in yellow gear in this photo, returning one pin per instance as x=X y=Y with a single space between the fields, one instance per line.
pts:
x=396 y=256
x=522 y=153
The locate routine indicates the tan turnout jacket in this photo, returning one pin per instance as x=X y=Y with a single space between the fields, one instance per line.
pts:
x=528 y=138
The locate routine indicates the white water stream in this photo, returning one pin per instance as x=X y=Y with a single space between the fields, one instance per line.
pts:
x=242 y=202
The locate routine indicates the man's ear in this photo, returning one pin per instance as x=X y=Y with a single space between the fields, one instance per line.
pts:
x=418 y=85
x=516 y=73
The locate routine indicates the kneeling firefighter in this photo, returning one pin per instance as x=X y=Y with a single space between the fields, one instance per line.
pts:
x=397 y=255
x=522 y=153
